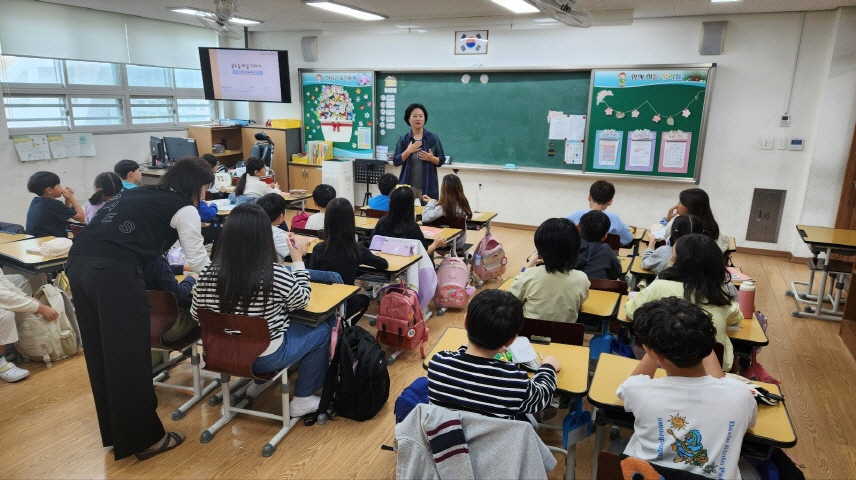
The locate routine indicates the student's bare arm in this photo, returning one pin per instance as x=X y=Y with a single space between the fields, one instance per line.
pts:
x=647 y=366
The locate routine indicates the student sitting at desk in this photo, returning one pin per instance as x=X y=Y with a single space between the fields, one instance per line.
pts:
x=656 y=259
x=385 y=184
x=340 y=253
x=215 y=191
x=322 y=195
x=274 y=205
x=130 y=173
x=596 y=260
x=554 y=290
x=696 y=275
x=251 y=183
x=401 y=221
x=472 y=379
x=600 y=197
x=46 y=216
x=246 y=279
x=107 y=185
x=452 y=199
x=694 y=201
x=14 y=299
x=693 y=419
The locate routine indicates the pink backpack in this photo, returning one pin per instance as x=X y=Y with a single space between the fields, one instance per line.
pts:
x=299 y=220
x=492 y=258
x=399 y=320
x=452 y=277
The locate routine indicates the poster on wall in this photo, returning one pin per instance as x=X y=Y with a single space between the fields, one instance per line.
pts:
x=640 y=150
x=338 y=107
x=607 y=149
x=675 y=151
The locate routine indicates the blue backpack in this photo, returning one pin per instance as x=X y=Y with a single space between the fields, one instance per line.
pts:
x=413 y=395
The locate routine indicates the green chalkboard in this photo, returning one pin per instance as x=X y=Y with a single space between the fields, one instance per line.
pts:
x=500 y=120
x=648 y=122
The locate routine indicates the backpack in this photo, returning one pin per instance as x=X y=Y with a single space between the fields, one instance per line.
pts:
x=357 y=380
x=40 y=339
x=492 y=258
x=399 y=320
x=299 y=220
x=452 y=277
x=411 y=396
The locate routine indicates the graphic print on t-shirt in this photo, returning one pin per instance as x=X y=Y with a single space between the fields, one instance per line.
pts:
x=690 y=449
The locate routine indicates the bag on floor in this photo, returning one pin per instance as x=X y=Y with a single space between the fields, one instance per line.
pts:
x=756 y=371
x=399 y=321
x=411 y=396
x=40 y=339
x=357 y=382
x=452 y=278
x=299 y=220
x=493 y=258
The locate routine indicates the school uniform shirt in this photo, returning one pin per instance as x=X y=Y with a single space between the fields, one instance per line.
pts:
x=379 y=202
x=344 y=265
x=597 y=260
x=255 y=187
x=48 y=217
x=315 y=222
x=427 y=175
x=432 y=211
x=128 y=185
x=460 y=381
x=385 y=227
x=721 y=316
x=89 y=211
x=280 y=243
x=551 y=296
x=290 y=292
x=695 y=424
x=657 y=259
x=616 y=226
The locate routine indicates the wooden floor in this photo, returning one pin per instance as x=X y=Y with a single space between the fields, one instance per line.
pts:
x=48 y=427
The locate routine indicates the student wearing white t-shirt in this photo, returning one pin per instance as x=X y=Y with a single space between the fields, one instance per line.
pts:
x=322 y=195
x=693 y=419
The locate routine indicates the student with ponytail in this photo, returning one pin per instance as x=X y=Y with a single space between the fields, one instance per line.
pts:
x=107 y=185
x=251 y=181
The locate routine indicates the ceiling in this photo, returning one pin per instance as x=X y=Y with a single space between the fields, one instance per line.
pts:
x=285 y=15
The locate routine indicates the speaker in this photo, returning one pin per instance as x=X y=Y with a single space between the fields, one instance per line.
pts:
x=309 y=46
x=712 y=38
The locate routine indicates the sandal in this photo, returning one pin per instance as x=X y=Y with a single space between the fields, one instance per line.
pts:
x=147 y=454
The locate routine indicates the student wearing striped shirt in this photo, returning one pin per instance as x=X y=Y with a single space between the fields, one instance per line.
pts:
x=246 y=279
x=471 y=379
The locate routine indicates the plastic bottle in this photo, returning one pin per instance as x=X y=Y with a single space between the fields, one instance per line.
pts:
x=746 y=299
x=478 y=259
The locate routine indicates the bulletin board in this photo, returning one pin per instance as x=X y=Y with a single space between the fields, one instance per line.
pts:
x=338 y=106
x=648 y=121
x=492 y=117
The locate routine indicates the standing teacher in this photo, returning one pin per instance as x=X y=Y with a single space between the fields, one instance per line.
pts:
x=420 y=152
x=105 y=270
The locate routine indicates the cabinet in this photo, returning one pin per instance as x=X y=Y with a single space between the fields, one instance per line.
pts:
x=229 y=137
x=306 y=177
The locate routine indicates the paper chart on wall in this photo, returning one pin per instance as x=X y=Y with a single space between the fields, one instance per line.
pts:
x=675 y=151
x=72 y=145
x=640 y=151
x=607 y=149
x=568 y=127
x=32 y=147
x=574 y=153
x=674 y=156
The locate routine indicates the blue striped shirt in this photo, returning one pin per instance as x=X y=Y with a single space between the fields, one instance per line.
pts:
x=460 y=381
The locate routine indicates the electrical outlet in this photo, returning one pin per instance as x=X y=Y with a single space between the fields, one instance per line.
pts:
x=781 y=143
x=765 y=143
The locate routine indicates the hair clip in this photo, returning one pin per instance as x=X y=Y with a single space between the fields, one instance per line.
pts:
x=402 y=185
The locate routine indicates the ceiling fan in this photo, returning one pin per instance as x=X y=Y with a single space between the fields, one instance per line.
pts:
x=565 y=11
x=220 y=21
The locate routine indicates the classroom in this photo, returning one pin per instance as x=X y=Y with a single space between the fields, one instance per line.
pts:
x=791 y=58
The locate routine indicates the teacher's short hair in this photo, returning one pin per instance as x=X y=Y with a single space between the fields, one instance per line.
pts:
x=411 y=108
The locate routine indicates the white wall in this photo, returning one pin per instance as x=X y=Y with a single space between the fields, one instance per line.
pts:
x=750 y=93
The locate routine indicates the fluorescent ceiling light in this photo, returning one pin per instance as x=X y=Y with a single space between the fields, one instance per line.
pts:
x=205 y=13
x=345 y=10
x=244 y=21
x=518 y=6
x=187 y=10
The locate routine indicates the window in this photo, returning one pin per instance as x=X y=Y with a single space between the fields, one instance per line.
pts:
x=44 y=95
x=97 y=111
x=151 y=110
x=148 y=76
x=92 y=73
x=195 y=110
x=32 y=71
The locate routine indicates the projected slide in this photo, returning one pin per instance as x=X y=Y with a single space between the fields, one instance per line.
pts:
x=246 y=74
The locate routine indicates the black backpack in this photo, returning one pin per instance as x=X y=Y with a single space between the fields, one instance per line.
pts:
x=357 y=381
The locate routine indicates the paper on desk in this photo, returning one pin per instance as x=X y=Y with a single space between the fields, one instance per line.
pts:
x=733 y=328
x=226 y=208
x=221 y=203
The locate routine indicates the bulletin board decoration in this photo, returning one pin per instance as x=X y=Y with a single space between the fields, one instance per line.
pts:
x=607 y=149
x=338 y=106
x=640 y=150
x=674 y=151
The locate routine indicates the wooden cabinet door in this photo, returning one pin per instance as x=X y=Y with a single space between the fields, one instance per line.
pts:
x=313 y=179
x=296 y=177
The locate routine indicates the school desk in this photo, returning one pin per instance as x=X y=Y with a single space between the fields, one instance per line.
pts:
x=600 y=304
x=479 y=220
x=289 y=199
x=396 y=267
x=826 y=241
x=14 y=255
x=365 y=225
x=772 y=428
x=626 y=262
x=732 y=246
x=13 y=237
x=324 y=300
x=638 y=236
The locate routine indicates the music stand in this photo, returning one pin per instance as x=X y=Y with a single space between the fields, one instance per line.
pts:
x=368 y=171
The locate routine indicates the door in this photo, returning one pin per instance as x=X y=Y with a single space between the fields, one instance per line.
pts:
x=846 y=217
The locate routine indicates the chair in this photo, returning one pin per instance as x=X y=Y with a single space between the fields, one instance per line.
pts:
x=614 y=242
x=447 y=221
x=372 y=213
x=11 y=227
x=232 y=343
x=262 y=151
x=75 y=228
x=163 y=311
x=602 y=342
x=308 y=232
x=719 y=350
x=617 y=286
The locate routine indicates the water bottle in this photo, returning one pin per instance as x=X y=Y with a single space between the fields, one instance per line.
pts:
x=664 y=222
x=746 y=299
x=478 y=259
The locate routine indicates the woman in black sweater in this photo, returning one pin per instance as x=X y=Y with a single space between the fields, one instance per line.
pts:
x=401 y=221
x=341 y=253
